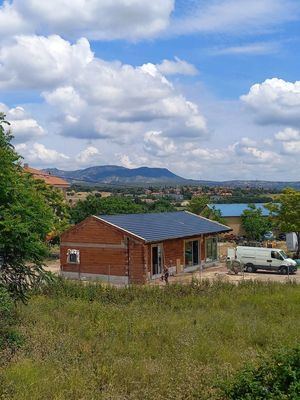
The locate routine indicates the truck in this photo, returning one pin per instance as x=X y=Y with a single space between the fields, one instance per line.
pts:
x=291 y=241
x=262 y=258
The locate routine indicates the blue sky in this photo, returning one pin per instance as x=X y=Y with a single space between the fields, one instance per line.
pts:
x=207 y=89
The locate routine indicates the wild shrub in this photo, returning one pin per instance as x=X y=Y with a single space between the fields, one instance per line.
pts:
x=10 y=339
x=277 y=378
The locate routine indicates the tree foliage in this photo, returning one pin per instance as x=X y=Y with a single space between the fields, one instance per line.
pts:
x=25 y=220
x=61 y=211
x=214 y=214
x=161 y=205
x=276 y=378
x=95 y=205
x=198 y=204
x=285 y=213
x=254 y=223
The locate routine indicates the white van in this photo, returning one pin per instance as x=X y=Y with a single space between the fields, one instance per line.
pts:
x=254 y=258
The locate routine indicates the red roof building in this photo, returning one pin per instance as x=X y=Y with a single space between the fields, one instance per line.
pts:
x=49 y=179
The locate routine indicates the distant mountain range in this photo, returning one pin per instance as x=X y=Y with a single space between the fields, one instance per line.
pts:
x=116 y=175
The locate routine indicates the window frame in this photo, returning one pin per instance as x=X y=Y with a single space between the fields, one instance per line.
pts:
x=186 y=266
x=72 y=252
x=214 y=239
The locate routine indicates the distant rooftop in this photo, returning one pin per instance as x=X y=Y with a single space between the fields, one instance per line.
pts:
x=236 y=210
x=156 y=227
x=46 y=177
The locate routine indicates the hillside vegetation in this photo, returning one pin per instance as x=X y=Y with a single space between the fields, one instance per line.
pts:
x=181 y=342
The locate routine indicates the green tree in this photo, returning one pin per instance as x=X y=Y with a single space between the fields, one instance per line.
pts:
x=161 y=205
x=61 y=210
x=94 y=205
x=214 y=214
x=198 y=204
x=25 y=220
x=254 y=223
x=285 y=213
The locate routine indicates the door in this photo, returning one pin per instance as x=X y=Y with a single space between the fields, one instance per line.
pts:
x=156 y=260
x=276 y=260
x=191 y=254
x=263 y=259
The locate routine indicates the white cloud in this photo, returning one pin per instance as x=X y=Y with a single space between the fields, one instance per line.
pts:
x=94 y=19
x=290 y=141
x=275 y=101
x=231 y=16
x=158 y=145
x=42 y=62
x=248 y=49
x=22 y=125
x=288 y=134
x=119 y=101
x=94 y=98
x=252 y=153
x=292 y=147
x=177 y=66
x=37 y=153
x=126 y=161
x=11 y=21
x=89 y=156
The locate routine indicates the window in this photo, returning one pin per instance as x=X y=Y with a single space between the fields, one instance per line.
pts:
x=191 y=253
x=156 y=260
x=275 y=254
x=73 y=256
x=211 y=245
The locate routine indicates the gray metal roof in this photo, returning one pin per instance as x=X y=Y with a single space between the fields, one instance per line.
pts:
x=156 y=227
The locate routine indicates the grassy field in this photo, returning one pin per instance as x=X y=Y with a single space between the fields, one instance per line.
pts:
x=91 y=342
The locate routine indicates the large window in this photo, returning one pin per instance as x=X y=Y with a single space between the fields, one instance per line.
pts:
x=191 y=253
x=157 y=260
x=211 y=245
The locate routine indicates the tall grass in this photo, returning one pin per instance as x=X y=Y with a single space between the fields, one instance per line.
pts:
x=88 y=341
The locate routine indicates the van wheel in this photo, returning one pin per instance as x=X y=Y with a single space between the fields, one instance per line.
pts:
x=250 y=268
x=283 y=270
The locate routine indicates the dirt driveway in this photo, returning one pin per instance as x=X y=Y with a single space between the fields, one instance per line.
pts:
x=219 y=272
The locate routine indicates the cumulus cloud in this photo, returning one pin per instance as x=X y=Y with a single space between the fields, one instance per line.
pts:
x=292 y=147
x=22 y=125
x=275 y=101
x=158 y=145
x=290 y=140
x=37 y=153
x=126 y=161
x=11 y=21
x=254 y=155
x=88 y=156
x=119 y=101
x=176 y=67
x=93 y=98
x=38 y=62
x=94 y=19
x=288 y=134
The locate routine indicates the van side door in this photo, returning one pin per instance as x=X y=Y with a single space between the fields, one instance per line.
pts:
x=263 y=259
x=276 y=260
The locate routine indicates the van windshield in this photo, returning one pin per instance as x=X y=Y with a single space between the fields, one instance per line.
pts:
x=282 y=253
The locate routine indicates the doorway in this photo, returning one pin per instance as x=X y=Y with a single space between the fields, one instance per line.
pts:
x=156 y=260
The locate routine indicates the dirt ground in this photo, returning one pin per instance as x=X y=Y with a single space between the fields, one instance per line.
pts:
x=219 y=272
